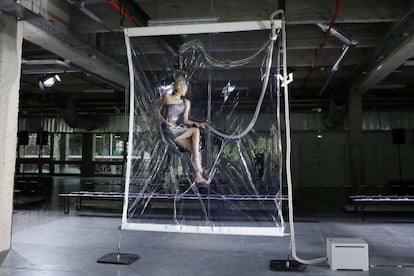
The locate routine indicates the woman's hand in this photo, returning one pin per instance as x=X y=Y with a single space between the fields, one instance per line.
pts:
x=202 y=125
x=171 y=124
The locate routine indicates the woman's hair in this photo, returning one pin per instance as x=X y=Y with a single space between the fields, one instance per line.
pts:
x=177 y=81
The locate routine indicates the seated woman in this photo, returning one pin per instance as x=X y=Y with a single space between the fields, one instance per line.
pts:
x=177 y=124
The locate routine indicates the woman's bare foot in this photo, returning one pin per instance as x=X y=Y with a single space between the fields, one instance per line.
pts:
x=200 y=179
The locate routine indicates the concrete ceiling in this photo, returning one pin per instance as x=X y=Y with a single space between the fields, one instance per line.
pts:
x=83 y=42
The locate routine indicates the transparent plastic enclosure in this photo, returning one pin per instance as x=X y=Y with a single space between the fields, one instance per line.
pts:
x=236 y=93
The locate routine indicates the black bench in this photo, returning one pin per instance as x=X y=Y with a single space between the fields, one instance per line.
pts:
x=34 y=185
x=118 y=196
x=361 y=201
x=32 y=188
x=87 y=195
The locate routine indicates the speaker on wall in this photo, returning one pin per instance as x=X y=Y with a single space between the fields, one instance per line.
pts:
x=398 y=136
x=23 y=138
x=44 y=136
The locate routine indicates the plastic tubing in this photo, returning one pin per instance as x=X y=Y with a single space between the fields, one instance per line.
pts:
x=288 y=158
x=232 y=64
x=263 y=91
x=215 y=62
x=258 y=106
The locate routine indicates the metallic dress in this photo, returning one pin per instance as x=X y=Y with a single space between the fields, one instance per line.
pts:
x=175 y=113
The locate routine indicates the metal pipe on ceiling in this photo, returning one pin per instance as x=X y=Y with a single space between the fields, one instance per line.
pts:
x=135 y=13
x=80 y=5
x=325 y=38
x=347 y=45
x=335 y=33
x=142 y=20
x=337 y=104
x=335 y=68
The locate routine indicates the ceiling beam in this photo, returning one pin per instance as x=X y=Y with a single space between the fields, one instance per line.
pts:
x=353 y=11
x=388 y=65
x=395 y=50
x=78 y=57
x=297 y=11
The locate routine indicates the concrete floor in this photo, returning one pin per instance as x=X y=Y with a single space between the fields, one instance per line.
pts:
x=47 y=242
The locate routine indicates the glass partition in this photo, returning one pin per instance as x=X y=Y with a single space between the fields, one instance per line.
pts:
x=109 y=152
x=67 y=153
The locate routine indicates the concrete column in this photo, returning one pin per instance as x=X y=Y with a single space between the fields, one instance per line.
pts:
x=356 y=154
x=10 y=59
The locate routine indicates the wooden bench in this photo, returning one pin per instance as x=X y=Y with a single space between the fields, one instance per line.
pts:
x=118 y=196
x=361 y=201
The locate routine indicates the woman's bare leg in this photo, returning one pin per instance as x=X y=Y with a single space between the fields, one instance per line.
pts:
x=184 y=143
x=183 y=140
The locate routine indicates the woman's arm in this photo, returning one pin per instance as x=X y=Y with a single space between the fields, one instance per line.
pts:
x=189 y=122
x=159 y=109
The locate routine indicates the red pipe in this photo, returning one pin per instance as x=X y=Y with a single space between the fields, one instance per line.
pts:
x=137 y=24
x=124 y=13
x=325 y=38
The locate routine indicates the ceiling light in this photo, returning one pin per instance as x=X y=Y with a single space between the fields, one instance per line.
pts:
x=45 y=71
x=389 y=86
x=48 y=81
x=409 y=62
x=98 y=91
x=182 y=21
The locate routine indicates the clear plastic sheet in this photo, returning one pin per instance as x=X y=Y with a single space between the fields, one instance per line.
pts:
x=240 y=152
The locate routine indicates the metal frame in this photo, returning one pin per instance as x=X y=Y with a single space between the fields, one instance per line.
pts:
x=183 y=29
x=222 y=27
